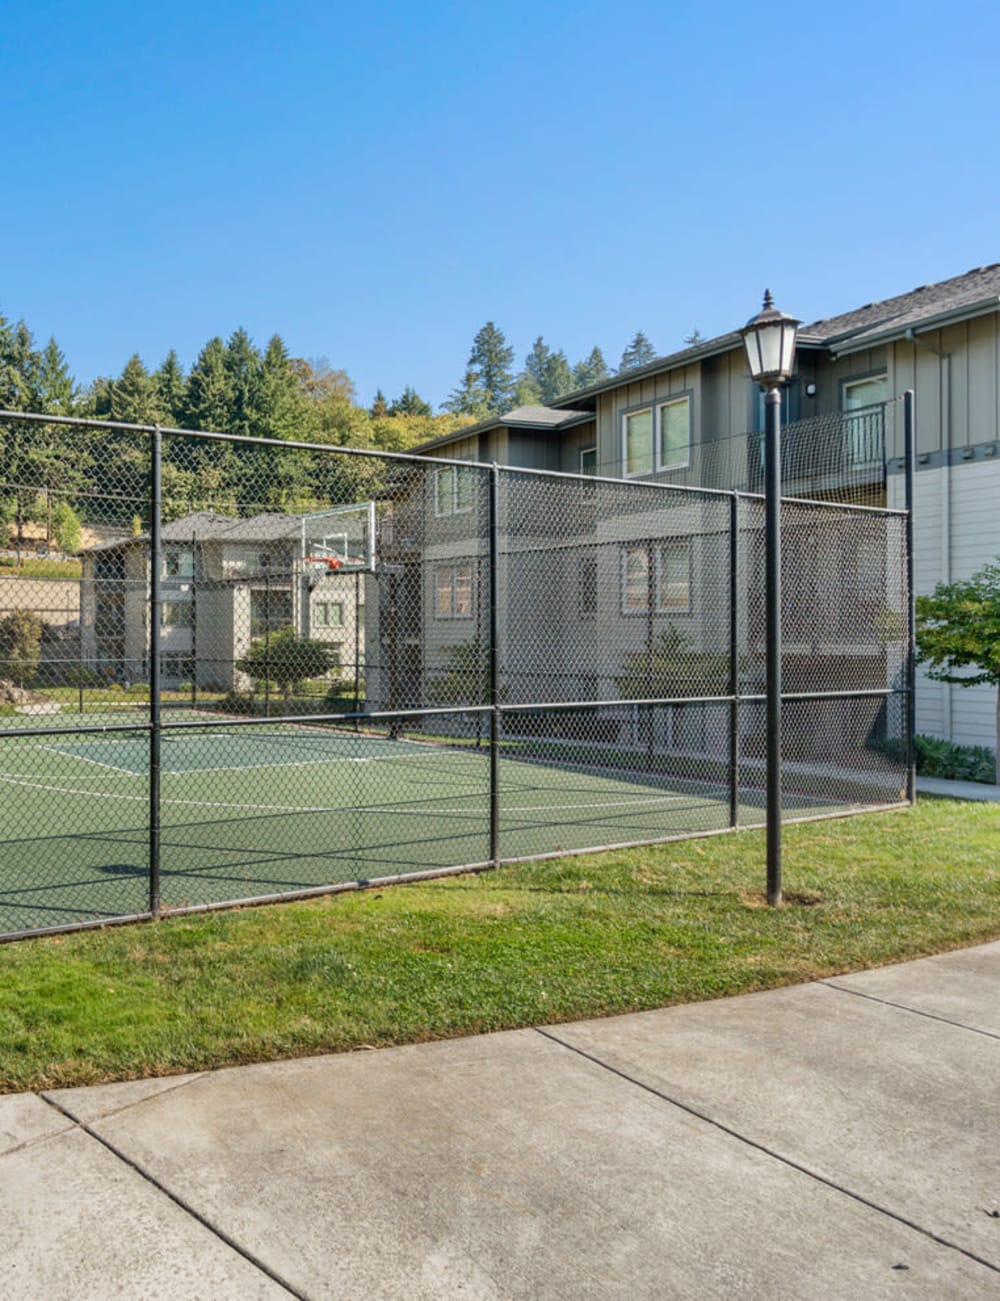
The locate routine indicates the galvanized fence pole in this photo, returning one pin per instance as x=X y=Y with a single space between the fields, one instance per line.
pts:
x=772 y=640
x=153 y=641
x=493 y=662
x=909 y=449
x=734 y=660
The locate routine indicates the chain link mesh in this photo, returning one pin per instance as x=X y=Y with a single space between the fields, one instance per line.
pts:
x=310 y=667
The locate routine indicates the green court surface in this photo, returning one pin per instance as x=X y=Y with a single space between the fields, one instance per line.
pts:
x=262 y=810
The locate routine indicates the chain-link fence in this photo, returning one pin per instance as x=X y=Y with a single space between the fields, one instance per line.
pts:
x=234 y=669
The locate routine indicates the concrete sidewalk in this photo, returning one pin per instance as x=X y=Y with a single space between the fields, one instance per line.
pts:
x=833 y=1140
x=957 y=790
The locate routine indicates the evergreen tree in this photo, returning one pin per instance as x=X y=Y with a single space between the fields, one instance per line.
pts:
x=410 y=403
x=209 y=392
x=536 y=363
x=490 y=361
x=527 y=392
x=379 y=407
x=243 y=365
x=694 y=338
x=592 y=370
x=557 y=379
x=60 y=454
x=281 y=405
x=638 y=353
x=171 y=389
x=470 y=398
x=56 y=387
x=134 y=396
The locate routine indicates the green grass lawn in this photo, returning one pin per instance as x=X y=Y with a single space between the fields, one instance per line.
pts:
x=539 y=942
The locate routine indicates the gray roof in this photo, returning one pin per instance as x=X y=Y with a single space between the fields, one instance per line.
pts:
x=204 y=525
x=965 y=295
x=974 y=293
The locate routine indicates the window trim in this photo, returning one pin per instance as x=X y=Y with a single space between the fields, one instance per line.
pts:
x=452 y=570
x=854 y=380
x=456 y=474
x=657 y=547
x=656 y=407
x=587 y=451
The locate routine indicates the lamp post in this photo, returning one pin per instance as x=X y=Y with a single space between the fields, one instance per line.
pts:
x=769 y=339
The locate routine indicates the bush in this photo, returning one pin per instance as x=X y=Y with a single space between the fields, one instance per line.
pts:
x=937 y=758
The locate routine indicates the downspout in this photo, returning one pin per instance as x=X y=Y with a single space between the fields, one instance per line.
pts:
x=945 y=533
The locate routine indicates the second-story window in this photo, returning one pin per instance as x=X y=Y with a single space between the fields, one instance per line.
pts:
x=178 y=562
x=452 y=490
x=657 y=437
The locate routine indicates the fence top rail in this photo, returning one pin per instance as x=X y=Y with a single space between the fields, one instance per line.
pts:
x=409 y=458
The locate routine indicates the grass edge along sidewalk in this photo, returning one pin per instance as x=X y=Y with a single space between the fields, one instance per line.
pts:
x=535 y=943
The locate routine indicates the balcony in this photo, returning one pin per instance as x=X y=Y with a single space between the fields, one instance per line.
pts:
x=840 y=457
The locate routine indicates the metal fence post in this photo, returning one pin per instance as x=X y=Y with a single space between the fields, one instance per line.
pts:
x=493 y=661
x=772 y=640
x=734 y=660
x=909 y=450
x=155 y=616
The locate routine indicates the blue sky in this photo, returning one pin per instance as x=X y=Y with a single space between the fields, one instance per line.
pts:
x=375 y=181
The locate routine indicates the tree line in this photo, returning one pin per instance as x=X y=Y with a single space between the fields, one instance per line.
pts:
x=491 y=386
x=235 y=387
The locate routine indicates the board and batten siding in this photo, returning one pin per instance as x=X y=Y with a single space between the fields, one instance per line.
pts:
x=956 y=531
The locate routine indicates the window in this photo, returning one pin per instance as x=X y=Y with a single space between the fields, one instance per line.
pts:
x=453 y=592
x=865 y=392
x=328 y=614
x=176 y=614
x=587 y=587
x=588 y=460
x=865 y=427
x=671 y=577
x=178 y=563
x=452 y=490
x=657 y=437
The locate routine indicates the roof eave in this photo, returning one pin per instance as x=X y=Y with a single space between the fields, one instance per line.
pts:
x=900 y=329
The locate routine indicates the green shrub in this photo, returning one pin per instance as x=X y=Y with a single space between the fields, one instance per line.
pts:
x=937 y=758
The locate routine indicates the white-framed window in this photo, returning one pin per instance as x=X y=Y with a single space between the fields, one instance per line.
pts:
x=865 y=392
x=587 y=587
x=453 y=591
x=657 y=437
x=176 y=614
x=452 y=490
x=328 y=614
x=588 y=460
x=671 y=577
x=178 y=562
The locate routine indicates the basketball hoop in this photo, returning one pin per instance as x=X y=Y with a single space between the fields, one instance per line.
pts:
x=330 y=563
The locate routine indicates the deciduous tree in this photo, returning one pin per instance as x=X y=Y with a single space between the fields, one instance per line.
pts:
x=958 y=633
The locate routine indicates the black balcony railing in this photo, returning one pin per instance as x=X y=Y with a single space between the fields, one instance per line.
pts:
x=840 y=455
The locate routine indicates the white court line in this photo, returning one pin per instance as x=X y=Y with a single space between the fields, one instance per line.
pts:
x=476 y=811
x=68 y=754
x=239 y=767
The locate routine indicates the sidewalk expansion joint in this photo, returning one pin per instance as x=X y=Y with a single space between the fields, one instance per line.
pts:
x=767 y=1151
x=206 y=1223
x=905 y=1007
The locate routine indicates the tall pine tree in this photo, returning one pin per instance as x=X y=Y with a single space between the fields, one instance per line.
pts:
x=638 y=353
x=171 y=389
x=592 y=370
x=489 y=381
